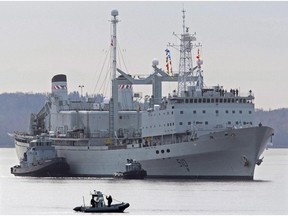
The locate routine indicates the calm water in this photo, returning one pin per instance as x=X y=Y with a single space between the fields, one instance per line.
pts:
x=267 y=194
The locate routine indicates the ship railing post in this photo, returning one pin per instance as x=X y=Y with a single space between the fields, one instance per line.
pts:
x=83 y=201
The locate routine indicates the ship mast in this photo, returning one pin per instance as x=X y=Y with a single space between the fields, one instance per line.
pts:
x=114 y=22
x=113 y=105
x=186 y=76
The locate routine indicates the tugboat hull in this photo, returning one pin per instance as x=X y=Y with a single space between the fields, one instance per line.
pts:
x=56 y=167
x=135 y=174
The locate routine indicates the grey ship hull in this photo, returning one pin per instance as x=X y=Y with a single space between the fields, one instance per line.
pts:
x=228 y=154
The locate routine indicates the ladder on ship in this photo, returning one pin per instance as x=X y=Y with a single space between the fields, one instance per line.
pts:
x=111 y=121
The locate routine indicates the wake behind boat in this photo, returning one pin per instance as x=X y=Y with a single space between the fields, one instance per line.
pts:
x=98 y=205
x=195 y=132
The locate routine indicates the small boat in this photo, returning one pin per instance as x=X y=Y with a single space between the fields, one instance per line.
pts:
x=40 y=160
x=99 y=205
x=133 y=171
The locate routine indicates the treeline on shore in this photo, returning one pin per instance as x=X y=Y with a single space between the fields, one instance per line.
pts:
x=15 y=110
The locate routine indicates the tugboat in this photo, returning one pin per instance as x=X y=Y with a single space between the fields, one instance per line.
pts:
x=99 y=205
x=40 y=160
x=133 y=171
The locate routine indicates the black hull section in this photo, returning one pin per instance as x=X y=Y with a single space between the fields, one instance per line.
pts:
x=112 y=209
x=56 y=167
x=135 y=174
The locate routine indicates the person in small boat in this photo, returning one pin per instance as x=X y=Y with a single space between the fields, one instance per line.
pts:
x=93 y=202
x=109 y=199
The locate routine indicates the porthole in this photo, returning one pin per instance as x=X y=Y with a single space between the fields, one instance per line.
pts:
x=168 y=150
x=157 y=151
x=162 y=151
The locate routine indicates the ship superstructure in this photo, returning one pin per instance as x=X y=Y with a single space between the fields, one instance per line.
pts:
x=195 y=131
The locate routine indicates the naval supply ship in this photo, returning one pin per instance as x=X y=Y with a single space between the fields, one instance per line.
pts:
x=194 y=132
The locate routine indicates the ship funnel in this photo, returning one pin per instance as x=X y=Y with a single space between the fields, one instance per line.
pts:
x=59 y=87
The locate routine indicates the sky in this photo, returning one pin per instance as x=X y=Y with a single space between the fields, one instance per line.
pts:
x=244 y=44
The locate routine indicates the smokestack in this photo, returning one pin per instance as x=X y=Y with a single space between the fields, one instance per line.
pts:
x=59 y=87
